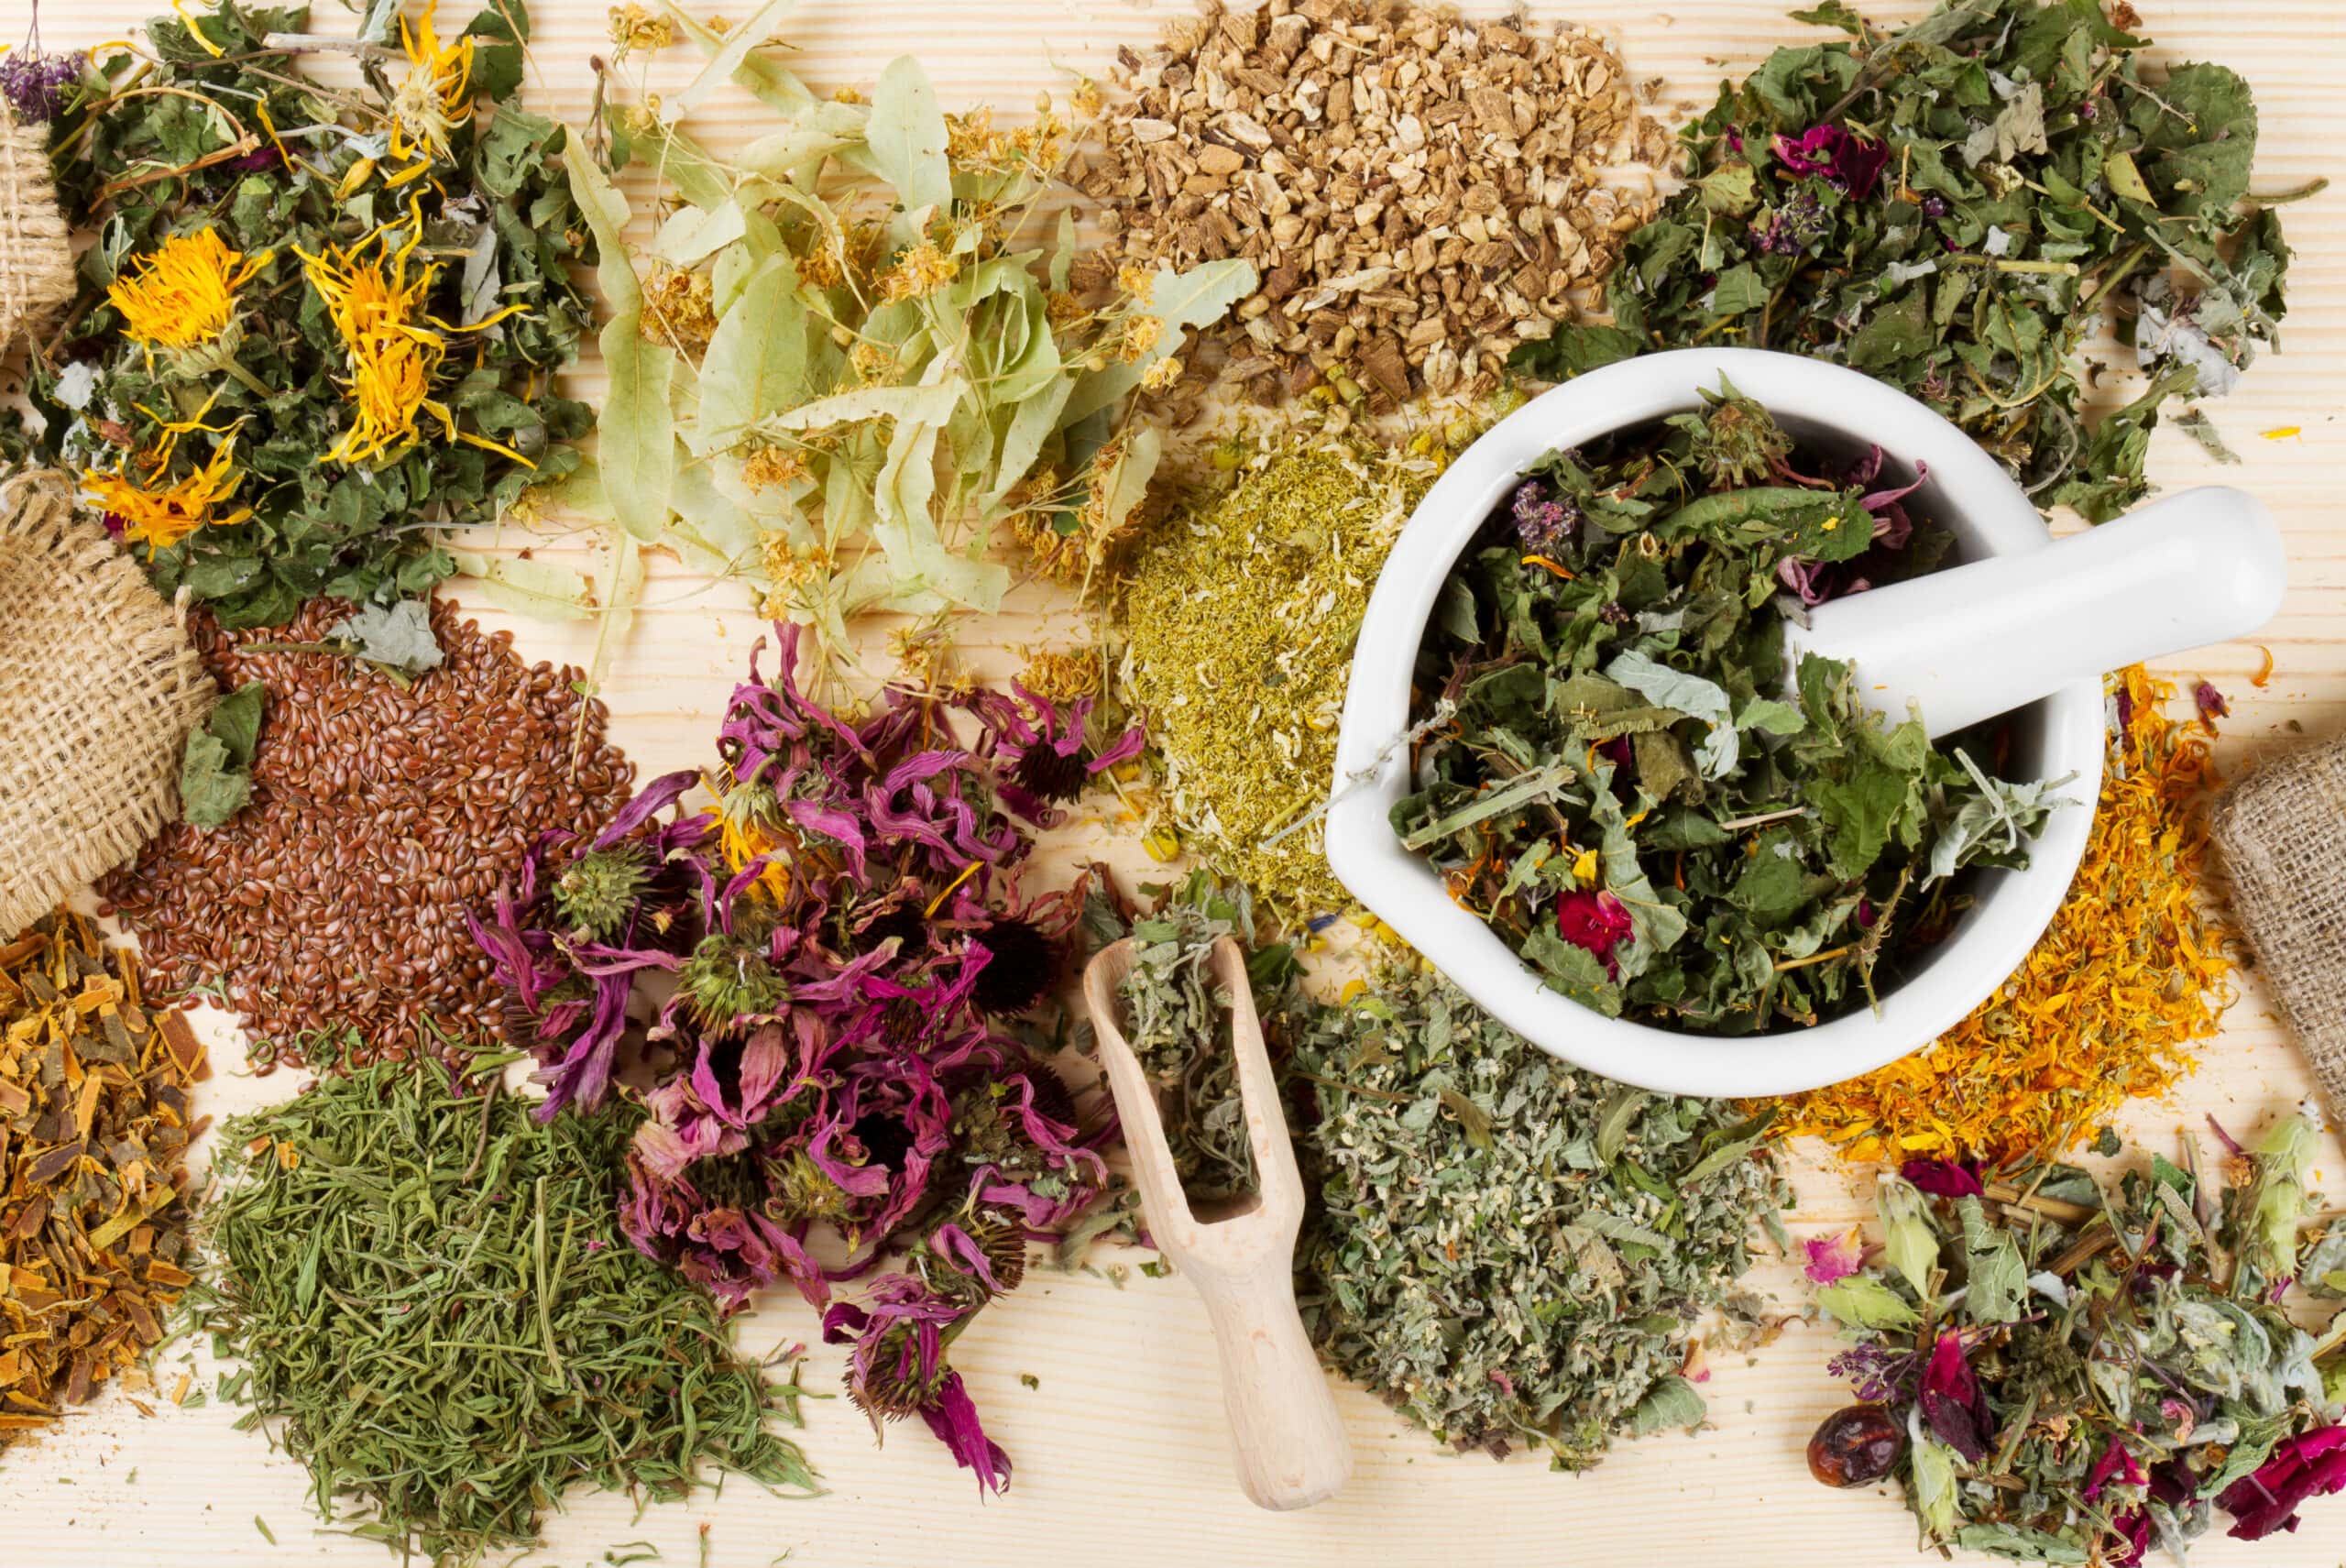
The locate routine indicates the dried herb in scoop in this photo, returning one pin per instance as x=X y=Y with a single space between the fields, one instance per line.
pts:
x=1176 y=1018
x=1633 y=789
x=2080 y=1370
x=1956 y=207
x=434 y=1310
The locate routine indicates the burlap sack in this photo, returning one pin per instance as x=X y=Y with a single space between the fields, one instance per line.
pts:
x=36 y=255
x=2283 y=834
x=98 y=689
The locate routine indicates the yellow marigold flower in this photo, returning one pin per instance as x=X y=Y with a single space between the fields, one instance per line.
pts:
x=435 y=92
x=396 y=348
x=161 y=518
x=183 y=292
x=921 y=270
x=635 y=29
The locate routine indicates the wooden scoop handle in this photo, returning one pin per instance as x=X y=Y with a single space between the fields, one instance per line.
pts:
x=1289 y=1440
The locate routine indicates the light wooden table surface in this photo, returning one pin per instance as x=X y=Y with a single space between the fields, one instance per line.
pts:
x=1120 y=1451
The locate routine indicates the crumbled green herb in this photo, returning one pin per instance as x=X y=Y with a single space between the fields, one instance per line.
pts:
x=314 y=317
x=1506 y=1249
x=1177 y=1019
x=1954 y=206
x=431 y=1305
x=216 y=766
x=1632 y=788
x=2082 y=1369
x=1241 y=615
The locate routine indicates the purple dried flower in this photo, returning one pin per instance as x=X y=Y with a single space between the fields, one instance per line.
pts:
x=1944 y=1178
x=1544 y=521
x=1793 y=226
x=34 y=84
x=1045 y=754
x=842 y=929
x=1952 y=1404
x=1848 y=162
x=898 y=1369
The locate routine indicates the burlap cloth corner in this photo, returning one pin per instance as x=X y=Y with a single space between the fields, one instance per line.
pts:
x=99 y=686
x=2282 y=831
x=35 y=246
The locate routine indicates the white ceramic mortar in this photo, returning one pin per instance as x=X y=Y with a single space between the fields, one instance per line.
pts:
x=2206 y=567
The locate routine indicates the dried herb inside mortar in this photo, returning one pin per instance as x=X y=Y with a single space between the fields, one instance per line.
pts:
x=1955 y=207
x=1632 y=787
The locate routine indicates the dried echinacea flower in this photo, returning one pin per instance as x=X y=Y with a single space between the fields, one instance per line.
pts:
x=840 y=949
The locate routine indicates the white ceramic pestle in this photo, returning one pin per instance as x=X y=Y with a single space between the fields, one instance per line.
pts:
x=1979 y=639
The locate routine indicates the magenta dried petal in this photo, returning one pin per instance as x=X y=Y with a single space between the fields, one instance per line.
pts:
x=2310 y=1465
x=954 y=1420
x=1835 y=1257
x=1944 y=1179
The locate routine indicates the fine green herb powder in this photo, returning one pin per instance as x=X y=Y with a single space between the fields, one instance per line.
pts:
x=436 y=1312
x=1243 y=618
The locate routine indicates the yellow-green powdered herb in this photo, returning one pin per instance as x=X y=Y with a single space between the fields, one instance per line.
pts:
x=1242 y=618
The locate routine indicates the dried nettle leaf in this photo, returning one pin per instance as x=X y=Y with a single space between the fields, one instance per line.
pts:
x=1956 y=207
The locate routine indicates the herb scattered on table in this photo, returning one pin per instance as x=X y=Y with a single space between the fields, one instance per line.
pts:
x=845 y=952
x=2082 y=1369
x=433 y=1309
x=1418 y=190
x=845 y=390
x=315 y=316
x=1626 y=791
x=94 y=1125
x=1507 y=1250
x=1177 y=1019
x=2108 y=1005
x=1241 y=618
x=1954 y=207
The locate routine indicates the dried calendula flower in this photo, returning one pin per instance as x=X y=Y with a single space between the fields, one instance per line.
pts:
x=2131 y=975
x=95 y=1126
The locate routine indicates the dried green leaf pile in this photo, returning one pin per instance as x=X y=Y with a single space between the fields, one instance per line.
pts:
x=434 y=1310
x=315 y=320
x=851 y=361
x=1510 y=1251
x=2081 y=1369
x=1956 y=207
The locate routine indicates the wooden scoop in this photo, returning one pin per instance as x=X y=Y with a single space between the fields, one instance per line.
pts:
x=1288 y=1441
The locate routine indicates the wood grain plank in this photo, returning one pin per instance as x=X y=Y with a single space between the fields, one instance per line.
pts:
x=1119 y=1451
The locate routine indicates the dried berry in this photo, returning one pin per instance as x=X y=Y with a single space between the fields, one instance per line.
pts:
x=1855 y=1446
